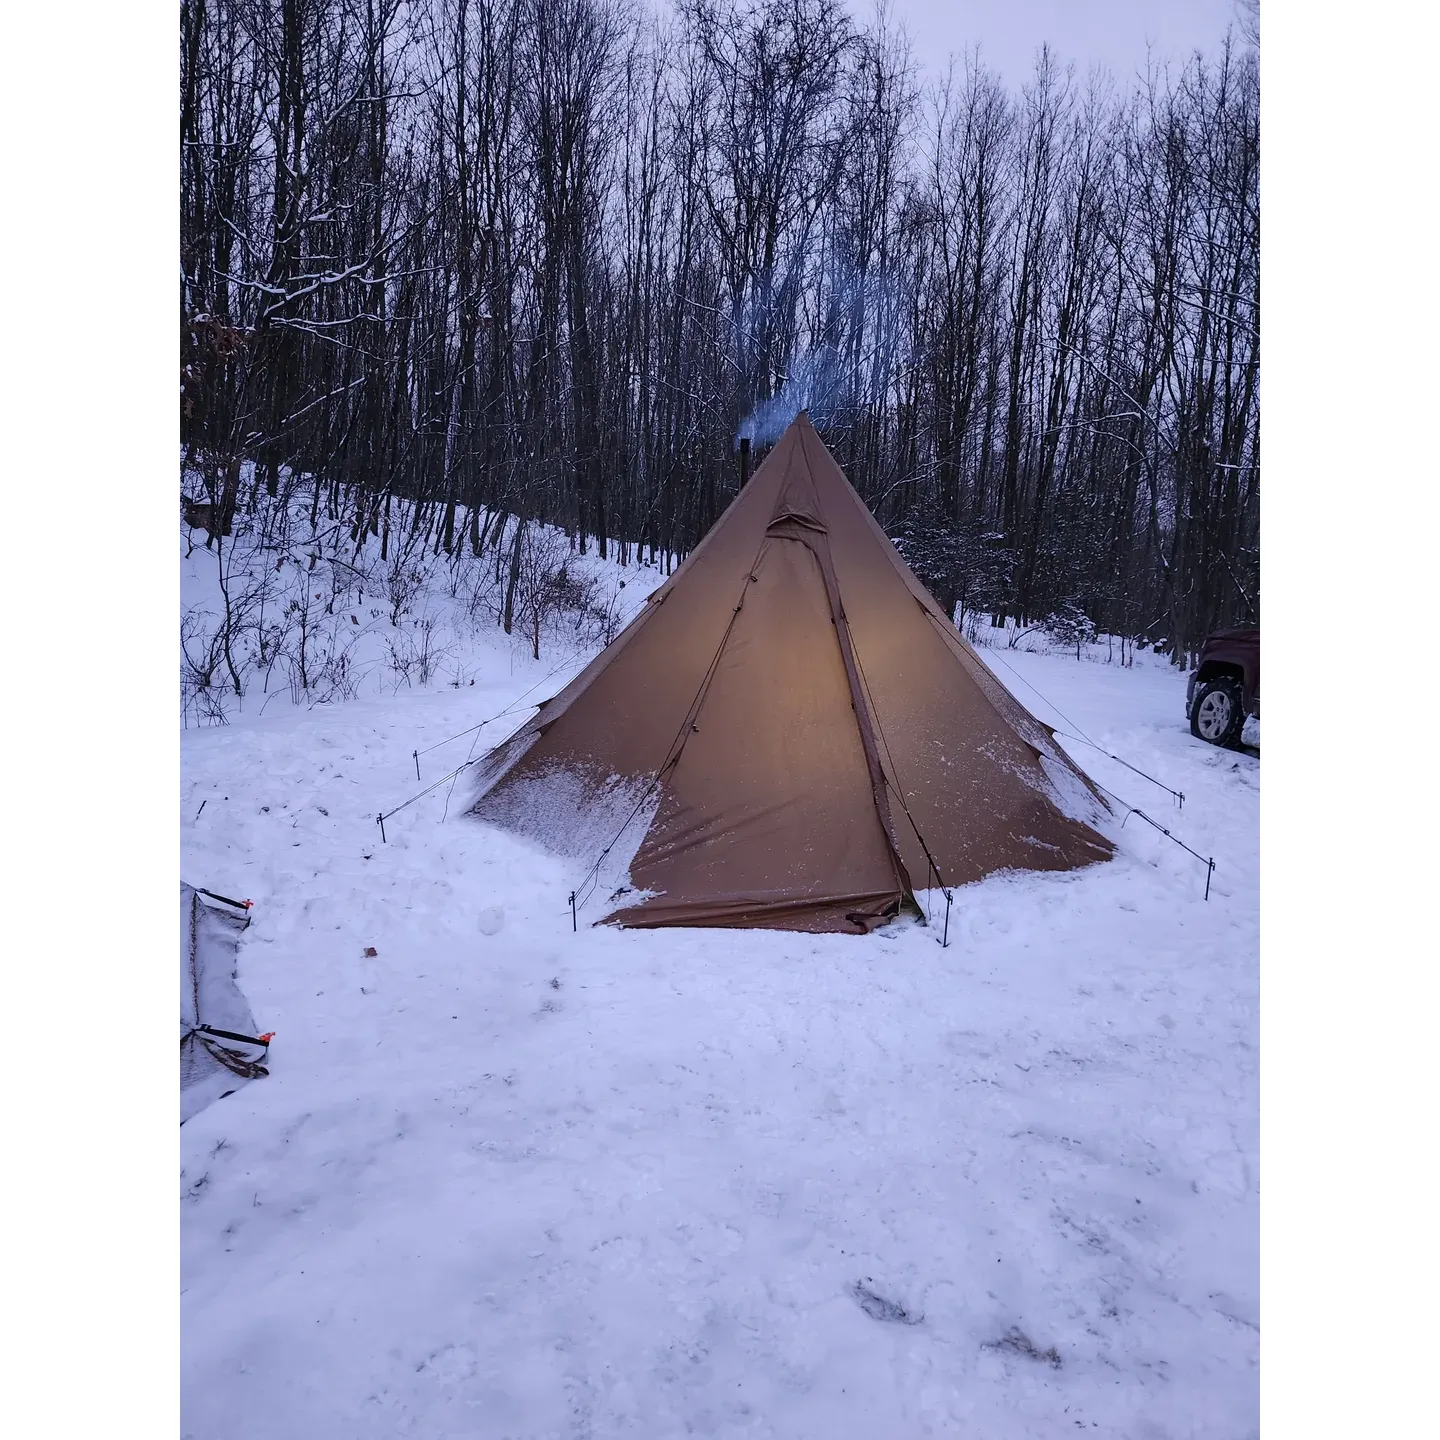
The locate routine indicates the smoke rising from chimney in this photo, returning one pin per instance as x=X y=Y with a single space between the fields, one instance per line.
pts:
x=811 y=386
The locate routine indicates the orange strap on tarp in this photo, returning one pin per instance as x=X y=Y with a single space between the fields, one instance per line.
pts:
x=226 y=900
x=262 y=1040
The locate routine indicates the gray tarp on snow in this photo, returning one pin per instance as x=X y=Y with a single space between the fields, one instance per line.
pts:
x=209 y=937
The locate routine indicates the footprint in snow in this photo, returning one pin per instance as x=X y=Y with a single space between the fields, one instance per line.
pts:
x=877 y=1307
x=450 y=1364
x=1017 y=1342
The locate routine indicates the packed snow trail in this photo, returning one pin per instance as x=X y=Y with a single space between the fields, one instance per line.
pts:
x=509 y=1181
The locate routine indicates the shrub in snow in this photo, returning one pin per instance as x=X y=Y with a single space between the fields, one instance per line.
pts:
x=295 y=598
x=1069 y=626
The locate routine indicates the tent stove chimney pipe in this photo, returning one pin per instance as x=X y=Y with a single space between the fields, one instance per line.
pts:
x=744 y=460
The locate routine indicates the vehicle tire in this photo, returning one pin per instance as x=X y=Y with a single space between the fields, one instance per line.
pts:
x=1218 y=714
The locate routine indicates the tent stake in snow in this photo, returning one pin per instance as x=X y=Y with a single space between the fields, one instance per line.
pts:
x=1209 y=864
x=380 y=821
x=945 y=938
x=574 y=919
x=1085 y=739
x=415 y=755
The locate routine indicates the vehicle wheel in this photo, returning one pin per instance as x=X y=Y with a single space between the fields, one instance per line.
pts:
x=1218 y=716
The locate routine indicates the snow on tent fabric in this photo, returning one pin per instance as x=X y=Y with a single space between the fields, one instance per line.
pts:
x=807 y=738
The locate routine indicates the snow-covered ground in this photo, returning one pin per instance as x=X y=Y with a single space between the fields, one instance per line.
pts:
x=506 y=1180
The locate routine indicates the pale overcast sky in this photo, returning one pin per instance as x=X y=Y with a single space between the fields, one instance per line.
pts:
x=1113 y=33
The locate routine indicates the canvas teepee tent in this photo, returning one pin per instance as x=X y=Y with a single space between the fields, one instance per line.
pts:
x=791 y=734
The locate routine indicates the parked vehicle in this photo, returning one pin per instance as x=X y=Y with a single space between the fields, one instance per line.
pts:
x=1224 y=688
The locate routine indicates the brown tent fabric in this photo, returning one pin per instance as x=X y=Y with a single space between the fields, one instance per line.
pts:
x=793 y=732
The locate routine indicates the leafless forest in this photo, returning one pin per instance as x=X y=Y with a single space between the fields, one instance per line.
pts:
x=544 y=261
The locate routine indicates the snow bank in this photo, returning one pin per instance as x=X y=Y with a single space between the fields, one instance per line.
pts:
x=297 y=609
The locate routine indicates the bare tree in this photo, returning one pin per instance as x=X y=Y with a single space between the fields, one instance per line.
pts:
x=453 y=271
